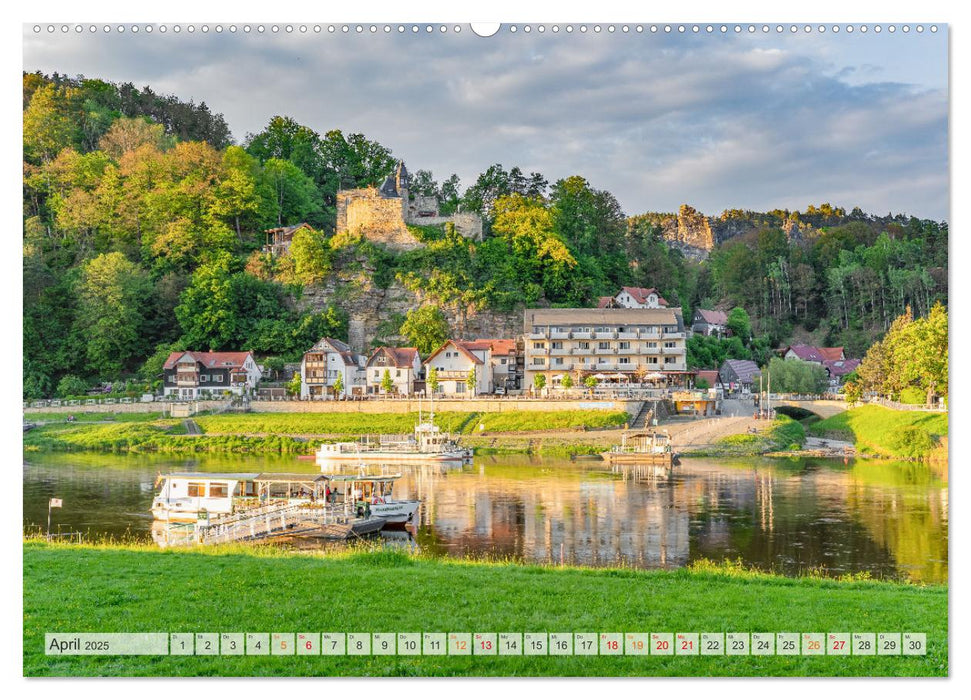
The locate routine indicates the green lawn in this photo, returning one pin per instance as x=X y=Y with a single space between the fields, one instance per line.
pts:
x=361 y=423
x=61 y=417
x=136 y=588
x=885 y=432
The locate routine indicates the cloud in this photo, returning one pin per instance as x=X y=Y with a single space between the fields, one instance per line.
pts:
x=717 y=121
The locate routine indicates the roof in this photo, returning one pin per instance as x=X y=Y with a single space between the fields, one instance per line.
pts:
x=715 y=318
x=465 y=347
x=498 y=346
x=832 y=354
x=641 y=294
x=807 y=353
x=745 y=370
x=540 y=317
x=286 y=230
x=605 y=302
x=709 y=375
x=400 y=357
x=210 y=360
x=840 y=368
x=289 y=477
x=330 y=344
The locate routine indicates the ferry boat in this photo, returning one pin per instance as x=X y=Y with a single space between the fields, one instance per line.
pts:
x=376 y=493
x=427 y=444
x=653 y=448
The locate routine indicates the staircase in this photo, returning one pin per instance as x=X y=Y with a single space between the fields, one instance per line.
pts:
x=643 y=416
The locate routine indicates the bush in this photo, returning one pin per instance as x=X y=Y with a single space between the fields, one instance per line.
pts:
x=913 y=395
x=71 y=386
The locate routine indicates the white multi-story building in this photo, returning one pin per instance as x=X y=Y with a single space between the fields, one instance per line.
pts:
x=321 y=366
x=456 y=360
x=194 y=375
x=610 y=344
x=634 y=298
x=402 y=365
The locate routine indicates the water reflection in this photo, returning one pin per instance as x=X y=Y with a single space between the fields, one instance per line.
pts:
x=884 y=518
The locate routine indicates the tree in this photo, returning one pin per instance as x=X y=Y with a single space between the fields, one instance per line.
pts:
x=208 y=312
x=127 y=135
x=71 y=386
x=426 y=328
x=702 y=384
x=433 y=379
x=472 y=380
x=796 y=376
x=311 y=254
x=739 y=324
x=539 y=381
x=113 y=295
x=567 y=381
x=295 y=385
x=387 y=384
x=590 y=382
x=48 y=126
x=294 y=195
x=339 y=384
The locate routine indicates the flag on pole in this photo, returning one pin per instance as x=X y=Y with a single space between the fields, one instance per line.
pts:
x=56 y=503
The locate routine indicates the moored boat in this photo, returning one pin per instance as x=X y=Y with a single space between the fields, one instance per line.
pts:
x=649 y=448
x=427 y=444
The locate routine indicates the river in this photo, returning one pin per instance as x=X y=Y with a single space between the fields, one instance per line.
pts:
x=791 y=517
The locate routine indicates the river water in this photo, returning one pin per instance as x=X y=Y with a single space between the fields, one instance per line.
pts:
x=791 y=517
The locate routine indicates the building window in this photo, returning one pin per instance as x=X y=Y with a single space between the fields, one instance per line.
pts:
x=670 y=344
x=652 y=346
x=558 y=361
x=218 y=490
x=197 y=489
x=397 y=373
x=539 y=346
x=603 y=346
x=624 y=360
x=670 y=360
x=652 y=360
x=539 y=360
x=584 y=345
x=204 y=378
x=502 y=361
x=557 y=345
x=625 y=345
x=377 y=375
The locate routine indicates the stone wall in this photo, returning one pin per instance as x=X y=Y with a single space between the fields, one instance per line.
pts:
x=379 y=219
x=468 y=225
x=371 y=406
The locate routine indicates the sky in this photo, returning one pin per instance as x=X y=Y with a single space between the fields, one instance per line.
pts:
x=736 y=121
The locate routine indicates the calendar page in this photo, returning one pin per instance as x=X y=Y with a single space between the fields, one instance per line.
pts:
x=611 y=349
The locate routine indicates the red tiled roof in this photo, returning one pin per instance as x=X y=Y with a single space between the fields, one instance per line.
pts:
x=709 y=375
x=498 y=346
x=641 y=294
x=715 y=318
x=465 y=347
x=831 y=354
x=400 y=357
x=604 y=302
x=210 y=359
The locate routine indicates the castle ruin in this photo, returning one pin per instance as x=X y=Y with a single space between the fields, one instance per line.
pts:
x=382 y=214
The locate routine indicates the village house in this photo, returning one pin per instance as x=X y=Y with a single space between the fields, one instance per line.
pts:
x=326 y=362
x=402 y=365
x=615 y=346
x=739 y=375
x=455 y=361
x=709 y=322
x=195 y=375
x=278 y=240
x=833 y=360
x=634 y=298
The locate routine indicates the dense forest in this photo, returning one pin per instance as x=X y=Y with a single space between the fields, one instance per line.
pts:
x=143 y=224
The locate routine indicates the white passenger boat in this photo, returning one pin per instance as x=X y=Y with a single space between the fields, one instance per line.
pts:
x=376 y=493
x=427 y=444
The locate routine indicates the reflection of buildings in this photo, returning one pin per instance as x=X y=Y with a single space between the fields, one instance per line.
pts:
x=583 y=517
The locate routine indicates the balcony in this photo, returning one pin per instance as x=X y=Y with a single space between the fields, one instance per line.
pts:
x=559 y=335
x=581 y=335
x=559 y=368
x=672 y=336
x=559 y=351
x=627 y=336
x=537 y=336
x=605 y=336
x=533 y=367
x=449 y=374
x=628 y=351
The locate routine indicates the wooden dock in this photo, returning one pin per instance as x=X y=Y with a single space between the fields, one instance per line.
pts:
x=317 y=521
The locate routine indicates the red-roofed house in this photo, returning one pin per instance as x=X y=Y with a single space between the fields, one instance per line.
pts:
x=811 y=353
x=708 y=322
x=402 y=364
x=194 y=375
x=322 y=364
x=634 y=298
x=494 y=361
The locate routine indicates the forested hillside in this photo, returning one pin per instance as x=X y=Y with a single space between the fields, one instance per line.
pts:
x=143 y=225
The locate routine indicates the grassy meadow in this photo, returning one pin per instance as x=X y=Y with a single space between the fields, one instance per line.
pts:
x=884 y=432
x=138 y=588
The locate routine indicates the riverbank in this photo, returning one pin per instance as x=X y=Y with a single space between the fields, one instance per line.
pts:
x=884 y=432
x=130 y=588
